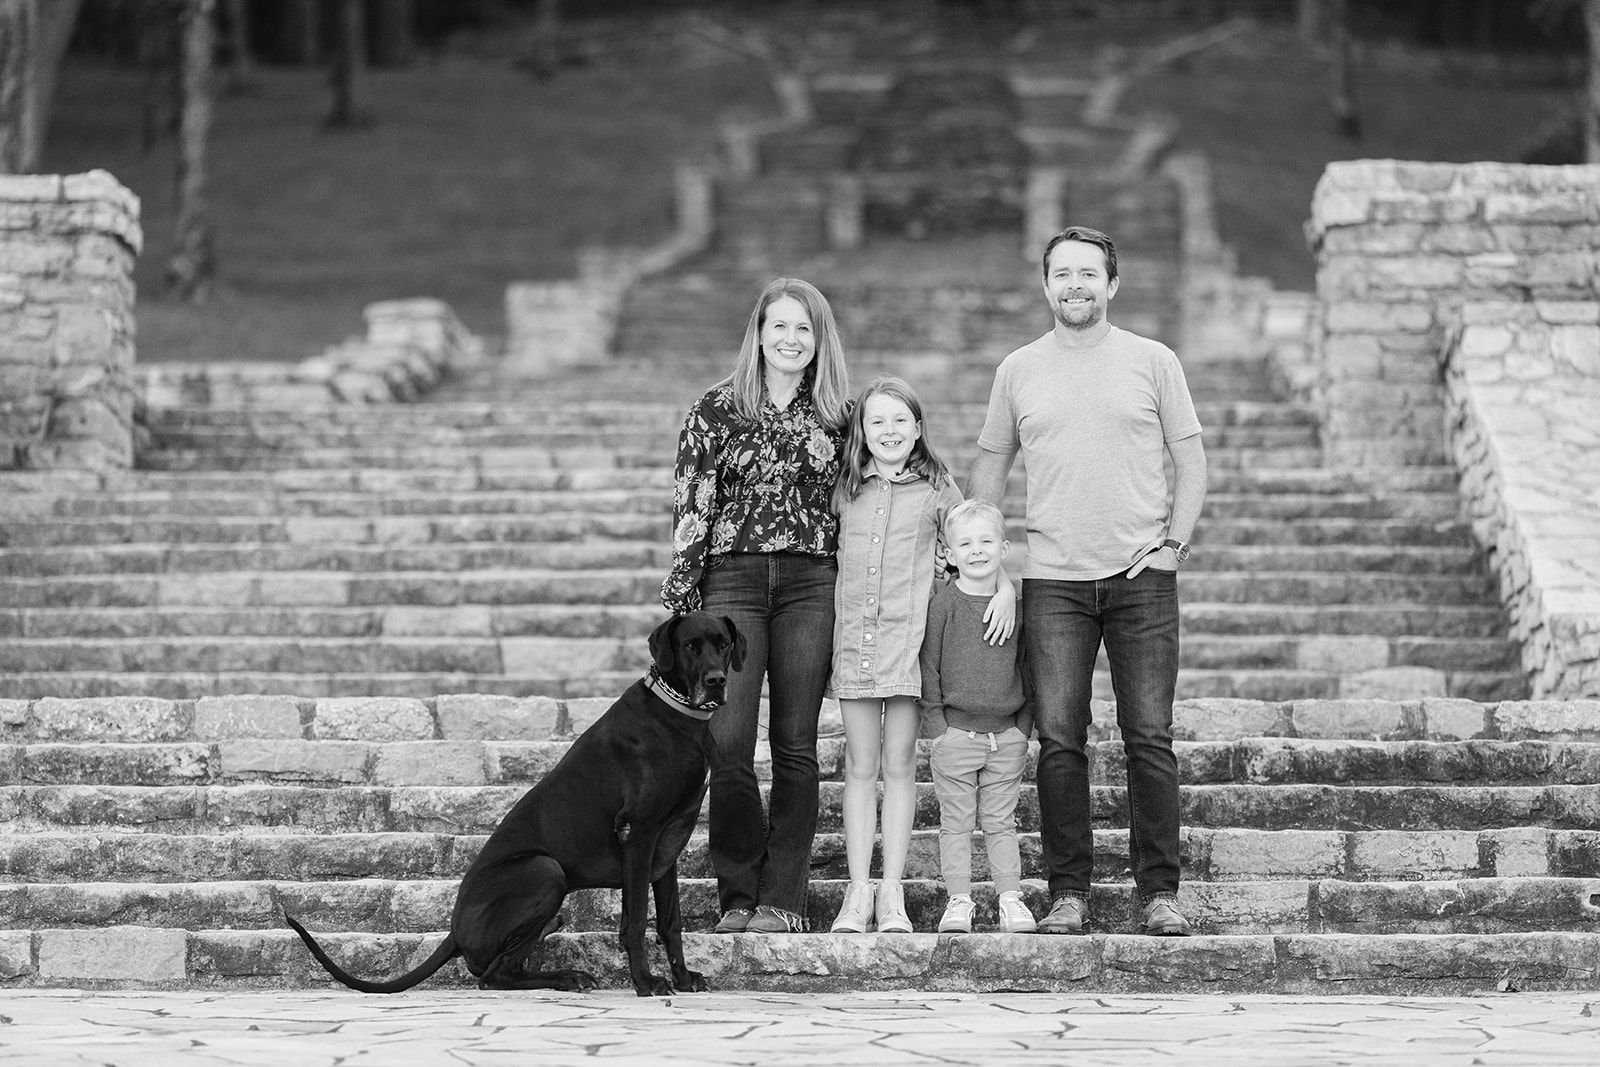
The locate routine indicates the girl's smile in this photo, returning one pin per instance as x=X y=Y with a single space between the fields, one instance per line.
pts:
x=891 y=431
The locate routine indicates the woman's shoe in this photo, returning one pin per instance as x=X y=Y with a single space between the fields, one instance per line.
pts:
x=892 y=909
x=734 y=921
x=770 y=920
x=855 y=914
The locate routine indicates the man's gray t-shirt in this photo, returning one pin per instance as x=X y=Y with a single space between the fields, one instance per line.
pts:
x=1092 y=425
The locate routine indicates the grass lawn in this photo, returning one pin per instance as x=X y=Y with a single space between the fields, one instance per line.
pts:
x=475 y=175
x=1259 y=110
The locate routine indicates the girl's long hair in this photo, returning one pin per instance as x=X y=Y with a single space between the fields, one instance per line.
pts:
x=830 y=380
x=924 y=460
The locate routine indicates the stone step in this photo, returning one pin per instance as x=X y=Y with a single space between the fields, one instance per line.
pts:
x=576 y=658
x=1285 y=964
x=1214 y=856
x=1455 y=906
x=637 y=620
x=478 y=809
x=335 y=588
x=1252 y=684
x=96 y=547
x=333 y=762
x=581 y=456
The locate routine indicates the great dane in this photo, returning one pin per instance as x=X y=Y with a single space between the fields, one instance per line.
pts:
x=615 y=812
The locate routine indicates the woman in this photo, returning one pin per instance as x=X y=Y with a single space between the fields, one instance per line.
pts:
x=754 y=535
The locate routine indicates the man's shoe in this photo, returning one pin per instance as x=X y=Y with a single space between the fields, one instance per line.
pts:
x=957 y=918
x=892 y=918
x=1163 y=919
x=770 y=920
x=734 y=921
x=1015 y=918
x=1068 y=915
x=855 y=914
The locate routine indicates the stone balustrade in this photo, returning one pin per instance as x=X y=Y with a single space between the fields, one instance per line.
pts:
x=1400 y=248
x=67 y=250
x=1523 y=385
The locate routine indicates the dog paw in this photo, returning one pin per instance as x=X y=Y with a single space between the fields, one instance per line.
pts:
x=690 y=982
x=576 y=981
x=653 y=986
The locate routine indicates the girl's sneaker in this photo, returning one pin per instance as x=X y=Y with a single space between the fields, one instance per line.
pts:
x=855 y=914
x=957 y=915
x=892 y=909
x=1015 y=918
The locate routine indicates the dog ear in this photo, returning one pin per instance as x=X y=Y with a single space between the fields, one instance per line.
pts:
x=663 y=649
x=736 y=661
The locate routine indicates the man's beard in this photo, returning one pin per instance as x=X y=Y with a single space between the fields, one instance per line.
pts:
x=1094 y=313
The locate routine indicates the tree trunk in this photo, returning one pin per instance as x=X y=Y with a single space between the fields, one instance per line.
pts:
x=1591 y=111
x=33 y=38
x=350 y=70
x=1343 y=91
x=395 y=39
x=241 y=64
x=302 y=28
x=18 y=52
x=193 y=262
x=1308 y=20
x=546 y=28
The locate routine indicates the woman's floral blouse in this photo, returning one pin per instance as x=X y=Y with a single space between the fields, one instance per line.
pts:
x=762 y=486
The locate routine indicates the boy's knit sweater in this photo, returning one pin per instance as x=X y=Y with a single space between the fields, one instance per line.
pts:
x=966 y=682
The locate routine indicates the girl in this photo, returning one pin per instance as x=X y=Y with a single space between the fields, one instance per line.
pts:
x=891 y=498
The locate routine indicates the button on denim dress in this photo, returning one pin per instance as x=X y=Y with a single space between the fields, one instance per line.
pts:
x=887 y=536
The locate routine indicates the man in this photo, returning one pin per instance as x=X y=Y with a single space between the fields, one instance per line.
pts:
x=1092 y=409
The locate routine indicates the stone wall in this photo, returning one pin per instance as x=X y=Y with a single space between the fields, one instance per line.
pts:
x=1401 y=248
x=67 y=249
x=1523 y=382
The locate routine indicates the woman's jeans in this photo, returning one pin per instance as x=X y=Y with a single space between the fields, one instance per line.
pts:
x=1064 y=624
x=783 y=603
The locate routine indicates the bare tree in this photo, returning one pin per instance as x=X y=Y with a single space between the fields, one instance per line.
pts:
x=192 y=265
x=241 y=64
x=350 y=70
x=1343 y=90
x=546 y=30
x=394 y=41
x=1308 y=20
x=302 y=26
x=33 y=38
x=1591 y=110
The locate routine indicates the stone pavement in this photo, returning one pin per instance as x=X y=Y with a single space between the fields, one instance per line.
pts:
x=130 y=1029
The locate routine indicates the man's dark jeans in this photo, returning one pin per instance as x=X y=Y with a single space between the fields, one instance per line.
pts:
x=1063 y=624
x=784 y=604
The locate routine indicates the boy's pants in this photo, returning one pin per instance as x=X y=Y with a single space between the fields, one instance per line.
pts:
x=977 y=778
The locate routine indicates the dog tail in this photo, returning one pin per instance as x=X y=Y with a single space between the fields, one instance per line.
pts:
x=441 y=956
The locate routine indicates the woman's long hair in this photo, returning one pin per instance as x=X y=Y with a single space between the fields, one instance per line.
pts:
x=830 y=380
x=923 y=460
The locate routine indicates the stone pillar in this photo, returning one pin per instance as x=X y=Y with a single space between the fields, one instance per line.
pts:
x=67 y=249
x=1400 y=248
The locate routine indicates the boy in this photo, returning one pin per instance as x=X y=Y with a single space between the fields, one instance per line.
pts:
x=975 y=709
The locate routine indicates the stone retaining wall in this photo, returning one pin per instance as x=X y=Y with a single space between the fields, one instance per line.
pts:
x=1400 y=248
x=67 y=249
x=1523 y=382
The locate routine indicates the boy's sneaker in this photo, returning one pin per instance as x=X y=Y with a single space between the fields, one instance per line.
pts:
x=1015 y=918
x=1068 y=915
x=1163 y=919
x=855 y=914
x=957 y=915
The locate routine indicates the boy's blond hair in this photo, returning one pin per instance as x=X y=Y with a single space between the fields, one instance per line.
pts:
x=974 y=509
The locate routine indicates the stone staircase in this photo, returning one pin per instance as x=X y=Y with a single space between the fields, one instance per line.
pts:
x=434 y=597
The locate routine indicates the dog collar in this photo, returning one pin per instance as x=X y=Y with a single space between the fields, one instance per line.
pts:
x=681 y=702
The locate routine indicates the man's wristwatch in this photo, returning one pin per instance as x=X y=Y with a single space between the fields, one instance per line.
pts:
x=1179 y=547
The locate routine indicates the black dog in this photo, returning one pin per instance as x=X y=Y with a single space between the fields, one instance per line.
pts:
x=615 y=812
